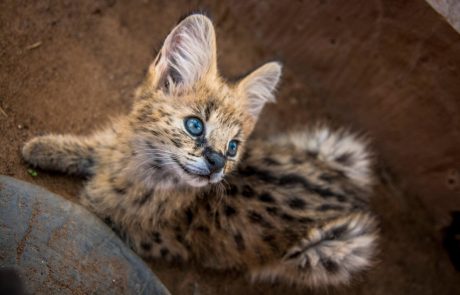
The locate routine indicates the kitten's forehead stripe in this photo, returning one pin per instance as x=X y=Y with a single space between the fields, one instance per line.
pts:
x=239 y=134
x=210 y=107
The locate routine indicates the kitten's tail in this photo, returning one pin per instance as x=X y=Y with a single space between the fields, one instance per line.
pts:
x=63 y=153
x=328 y=255
x=340 y=150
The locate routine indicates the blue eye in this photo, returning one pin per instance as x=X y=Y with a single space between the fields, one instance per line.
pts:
x=232 y=148
x=194 y=126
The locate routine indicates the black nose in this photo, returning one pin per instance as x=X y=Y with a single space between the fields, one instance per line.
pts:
x=214 y=160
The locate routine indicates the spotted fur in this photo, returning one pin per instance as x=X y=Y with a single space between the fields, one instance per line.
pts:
x=291 y=209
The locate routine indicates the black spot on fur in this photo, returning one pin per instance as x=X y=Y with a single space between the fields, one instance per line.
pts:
x=291 y=235
x=330 y=265
x=109 y=221
x=305 y=220
x=288 y=180
x=270 y=161
x=239 y=241
x=271 y=241
x=202 y=229
x=209 y=108
x=294 y=255
x=164 y=252
x=232 y=190
x=327 y=177
x=333 y=176
x=189 y=216
x=207 y=207
x=327 y=207
x=246 y=155
x=145 y=198
x=337 y=232
x=297 y=161
x=120 y=190
x=176 y=142
x=261 y=257
x=294 y=179
x=156 y=237
x=217 y=218
x=268 y=238
x=345 y=159
x=86 y=164
x=248 y=192
x=272 y=210
x=287 y=217
x=255 y=217
x=180 y=238
x=163 y=113
x=266 y=198
x=229 y=211
x=146 y=246
x=341 y=198
x=312 y=154
x=144 y=114
x=158 y=163
x=177 y=259
x=296 y=203
x=263 y=175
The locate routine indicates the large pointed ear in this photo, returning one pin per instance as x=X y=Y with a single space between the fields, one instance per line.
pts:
x=188 y=54
x=259 y=86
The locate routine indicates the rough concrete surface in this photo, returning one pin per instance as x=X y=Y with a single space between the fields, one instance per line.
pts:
x=57 y=247
x=450 y=9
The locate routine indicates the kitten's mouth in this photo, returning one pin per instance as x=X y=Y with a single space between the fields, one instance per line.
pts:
x=198 y=174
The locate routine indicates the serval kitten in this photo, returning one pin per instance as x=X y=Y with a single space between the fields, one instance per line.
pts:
x=179 y=179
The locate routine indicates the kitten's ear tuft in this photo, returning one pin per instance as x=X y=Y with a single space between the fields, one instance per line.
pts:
x=188 y=54
x=259 y=86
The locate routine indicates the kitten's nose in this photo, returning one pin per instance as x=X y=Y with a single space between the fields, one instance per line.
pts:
x=214 y=160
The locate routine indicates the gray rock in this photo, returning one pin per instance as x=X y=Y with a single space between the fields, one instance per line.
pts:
x=449 y=9
x=57 y=247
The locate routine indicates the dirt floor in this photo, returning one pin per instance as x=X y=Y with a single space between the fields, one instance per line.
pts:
x=390 y=70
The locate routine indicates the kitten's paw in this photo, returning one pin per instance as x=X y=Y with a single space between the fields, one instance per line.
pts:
x=34 y=150
x=64 y=153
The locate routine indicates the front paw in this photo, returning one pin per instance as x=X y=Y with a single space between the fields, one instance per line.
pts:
x=34 y=150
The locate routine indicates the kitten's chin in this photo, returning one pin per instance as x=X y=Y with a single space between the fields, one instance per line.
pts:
x=201 y=181
x=197 y=182
x=216 y=177
x=189 y=179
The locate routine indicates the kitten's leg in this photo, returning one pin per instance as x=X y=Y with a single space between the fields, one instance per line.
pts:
x=65 y=153
x=328 y=255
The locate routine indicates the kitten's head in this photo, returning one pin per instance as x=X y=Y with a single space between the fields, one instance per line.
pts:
x=190 y=122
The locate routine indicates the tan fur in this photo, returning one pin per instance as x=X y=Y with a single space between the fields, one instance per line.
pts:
x=294 y=209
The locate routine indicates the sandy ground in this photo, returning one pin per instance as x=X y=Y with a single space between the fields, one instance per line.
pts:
x=68 y=67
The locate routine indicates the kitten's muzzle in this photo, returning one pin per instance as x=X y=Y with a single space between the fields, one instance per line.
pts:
x=214 y=160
